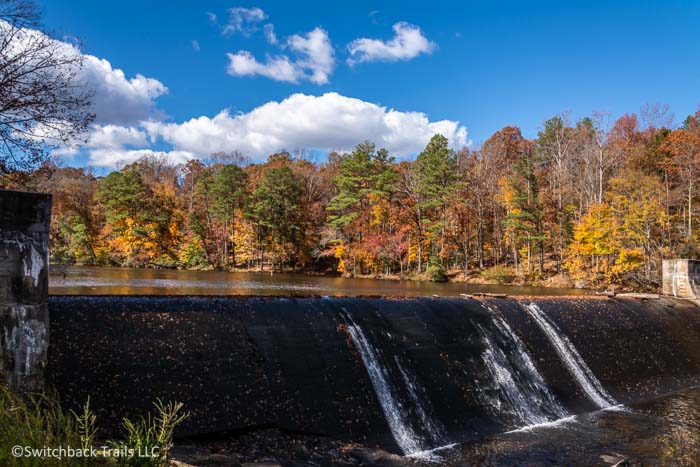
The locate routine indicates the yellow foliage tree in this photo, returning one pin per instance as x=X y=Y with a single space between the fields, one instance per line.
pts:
x=620 y=235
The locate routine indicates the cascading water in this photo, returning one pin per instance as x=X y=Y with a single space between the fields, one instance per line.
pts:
x=583 y=375
x=426 y=421
x=522 y=390
x=396 y=411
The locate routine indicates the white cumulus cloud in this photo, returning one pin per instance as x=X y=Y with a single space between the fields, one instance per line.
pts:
x=326 y=122
x=119 y=99
x=316 y=54
x=279 y=67
x=114 y=145
x=116 y=97
x=116 y=136
x=116 y=157
x=408 y=42
x=313 y=61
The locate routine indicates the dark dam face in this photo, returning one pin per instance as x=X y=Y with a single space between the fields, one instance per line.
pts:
x=408 y=375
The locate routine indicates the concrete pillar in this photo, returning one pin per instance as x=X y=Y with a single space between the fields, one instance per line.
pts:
x=24 y=288
x=681 y=278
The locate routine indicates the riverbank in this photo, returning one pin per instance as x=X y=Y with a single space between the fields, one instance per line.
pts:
x=93 y=280
x=491 y=276
x=496 y=275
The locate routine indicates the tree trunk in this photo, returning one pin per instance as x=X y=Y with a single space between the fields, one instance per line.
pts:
x=480 y=236
x=233 y=241
x=224 y=259
x=690 y=211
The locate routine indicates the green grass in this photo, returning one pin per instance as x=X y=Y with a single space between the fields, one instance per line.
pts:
x=38 y=420
x=153 y=433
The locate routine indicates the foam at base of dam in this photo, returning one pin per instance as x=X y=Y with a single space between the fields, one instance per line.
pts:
x=403 y=374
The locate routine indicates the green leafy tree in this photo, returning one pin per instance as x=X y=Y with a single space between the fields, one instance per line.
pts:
x=228 y=193
x=437 y=178
x=275 y=208
x=525 y=213
x=365 y=179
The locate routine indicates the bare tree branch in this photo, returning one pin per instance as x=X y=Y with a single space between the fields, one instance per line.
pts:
x=43 y=103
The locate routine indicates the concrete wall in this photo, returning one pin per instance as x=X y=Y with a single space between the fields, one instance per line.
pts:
x=681 y=278
x=24 y=314
x=243 y=362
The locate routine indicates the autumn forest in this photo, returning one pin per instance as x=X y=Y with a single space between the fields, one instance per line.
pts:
x=585 y=203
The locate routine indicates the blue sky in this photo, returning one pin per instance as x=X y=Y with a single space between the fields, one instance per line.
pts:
x=486 y=65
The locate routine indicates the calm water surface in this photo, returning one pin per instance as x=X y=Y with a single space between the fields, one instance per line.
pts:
x=127 y=281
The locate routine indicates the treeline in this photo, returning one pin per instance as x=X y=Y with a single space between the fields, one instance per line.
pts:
x=600 y=205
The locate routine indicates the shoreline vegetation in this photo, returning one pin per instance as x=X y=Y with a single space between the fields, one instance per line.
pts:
x=33 y=422
x=584 y=204
x=489 y=276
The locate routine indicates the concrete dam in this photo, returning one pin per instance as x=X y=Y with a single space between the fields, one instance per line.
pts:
x=406 y=374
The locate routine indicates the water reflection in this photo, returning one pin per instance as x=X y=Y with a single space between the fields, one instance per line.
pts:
x=127 y=281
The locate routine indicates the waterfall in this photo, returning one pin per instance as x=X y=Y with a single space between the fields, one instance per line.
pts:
x=397 y=412
x=583 y=375
x=426 y=421
x=522 y=389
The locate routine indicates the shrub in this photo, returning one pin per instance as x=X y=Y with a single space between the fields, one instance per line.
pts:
x=37 y=420
x=149 y=433
x=499 y=274
x=437 y=273
x=194 y=256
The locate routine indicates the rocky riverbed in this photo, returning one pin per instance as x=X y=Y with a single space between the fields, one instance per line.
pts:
x=271 y=447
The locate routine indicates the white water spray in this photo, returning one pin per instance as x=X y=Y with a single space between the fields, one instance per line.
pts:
x=522 y=389
x=398 y=418
x=583 y=375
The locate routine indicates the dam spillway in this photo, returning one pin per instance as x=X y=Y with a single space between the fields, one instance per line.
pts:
x=405 y=374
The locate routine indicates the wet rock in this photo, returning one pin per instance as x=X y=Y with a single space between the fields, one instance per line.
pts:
x=221 y=459
x=379 y=458
x=176 y=463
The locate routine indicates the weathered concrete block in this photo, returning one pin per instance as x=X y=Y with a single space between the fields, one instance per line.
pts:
x=681 y=278
x=24 y=286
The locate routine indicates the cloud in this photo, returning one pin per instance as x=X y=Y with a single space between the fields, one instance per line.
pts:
x=327 y=122
x=279 y=68
x=195 y=46
x=314 y=60
x=317 y=54
x=270 y=36
x=116 y=136
x=243 y=20
x=408 y=42
x=114 y=158
x=117 y=98
x=115 y=145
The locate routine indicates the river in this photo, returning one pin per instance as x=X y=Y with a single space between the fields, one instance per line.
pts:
x=129 y=281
